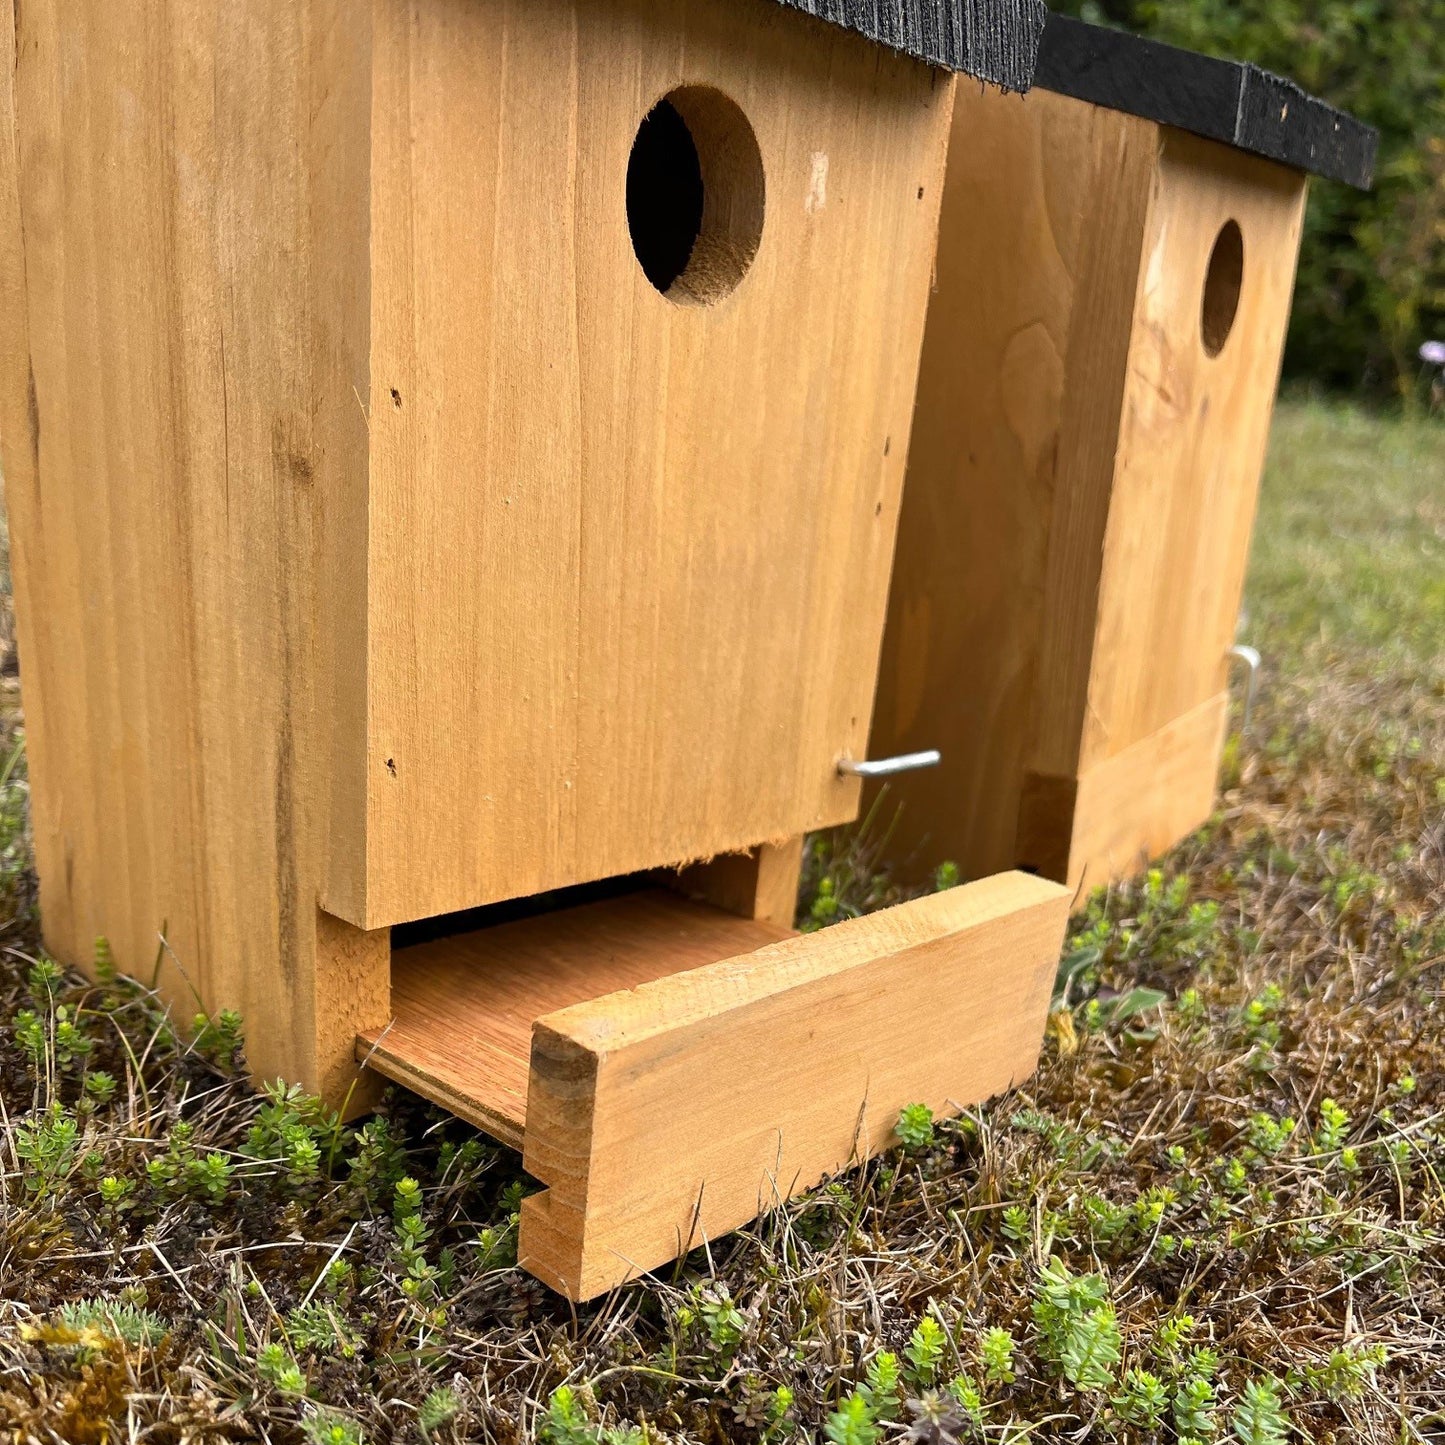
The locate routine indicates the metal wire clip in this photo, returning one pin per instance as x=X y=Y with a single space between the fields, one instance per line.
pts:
x=890 y=767
x=1250 y=657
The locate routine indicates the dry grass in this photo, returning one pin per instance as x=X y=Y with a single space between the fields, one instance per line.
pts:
x=1252 y=1168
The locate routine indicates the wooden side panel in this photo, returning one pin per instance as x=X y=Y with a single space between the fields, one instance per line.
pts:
x=166 y=490
x=676 y=1112
x=1112 y=822
x=628 y=558
x=1192 y=444
x=990 y=626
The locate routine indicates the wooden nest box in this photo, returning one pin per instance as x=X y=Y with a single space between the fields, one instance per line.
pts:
x=1116 y=262
x=454 y=451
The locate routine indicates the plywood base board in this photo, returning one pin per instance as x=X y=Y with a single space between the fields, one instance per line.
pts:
x=464 y=1006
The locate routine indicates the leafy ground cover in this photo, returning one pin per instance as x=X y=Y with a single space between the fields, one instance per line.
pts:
x=1217 y=1214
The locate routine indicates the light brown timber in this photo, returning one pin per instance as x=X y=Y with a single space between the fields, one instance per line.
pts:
x=762 y=884
x=177 y=216
x=1082 y=482
x=674 y=1113
x=1126 y=810
x=382 y=539
x=664 y=529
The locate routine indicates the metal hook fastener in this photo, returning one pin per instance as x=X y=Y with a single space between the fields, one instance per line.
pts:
x=890 y=767
x=1250 y=657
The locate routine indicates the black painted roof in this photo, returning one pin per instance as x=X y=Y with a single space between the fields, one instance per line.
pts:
x=994 y=40
x=1223 y=100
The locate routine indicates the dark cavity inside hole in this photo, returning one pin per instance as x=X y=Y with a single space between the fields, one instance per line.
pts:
x=664 y=195
x=1223 y=287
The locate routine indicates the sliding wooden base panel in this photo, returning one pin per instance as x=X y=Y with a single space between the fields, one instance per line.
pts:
x=1110 y=823
x=670 y=1071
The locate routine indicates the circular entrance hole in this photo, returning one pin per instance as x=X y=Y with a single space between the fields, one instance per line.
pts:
x=1222 y=287
x=695 y=194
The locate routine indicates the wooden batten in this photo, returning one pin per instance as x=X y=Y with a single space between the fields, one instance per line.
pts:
x=761 y=884
x=463 y=1007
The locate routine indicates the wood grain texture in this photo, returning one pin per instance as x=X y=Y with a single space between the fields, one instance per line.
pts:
x=1223 y=100
x=370 y=511
x=167 y=493
x=1074 y=538
x=1020 y=393
x=1192 y=445
x=627 y=559
x=465 y=1006
x=676 y=1112
x=762 y=884
x=1112 y=822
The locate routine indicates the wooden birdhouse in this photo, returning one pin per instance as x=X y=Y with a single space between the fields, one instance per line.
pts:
x=1116 y=261
x=454 y=451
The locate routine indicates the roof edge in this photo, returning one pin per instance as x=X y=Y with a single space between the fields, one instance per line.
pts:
x=1230 y=101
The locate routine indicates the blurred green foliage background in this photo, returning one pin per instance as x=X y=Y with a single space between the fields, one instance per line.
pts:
x=1372 y=276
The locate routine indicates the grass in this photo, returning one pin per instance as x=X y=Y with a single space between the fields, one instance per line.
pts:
x=1349 y=561
x=1216 y=1214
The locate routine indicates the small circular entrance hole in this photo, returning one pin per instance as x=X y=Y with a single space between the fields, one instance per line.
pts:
x=695 y=195
x=1222 y=288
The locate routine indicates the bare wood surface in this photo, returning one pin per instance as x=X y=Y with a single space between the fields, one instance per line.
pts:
x=371 y=510
x=762 y=884
x=1192 y=444
x=1020 y=394
x=1075 y=533
x=675 y=1112
x=1110 y=823
x=168 y=476
x=628 y=559
x=465 y=1006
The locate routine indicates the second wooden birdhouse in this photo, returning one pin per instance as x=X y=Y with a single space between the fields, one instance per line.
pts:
x=1116 y=262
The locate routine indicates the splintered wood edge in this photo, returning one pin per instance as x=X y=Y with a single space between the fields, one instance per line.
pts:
x=562 y=1243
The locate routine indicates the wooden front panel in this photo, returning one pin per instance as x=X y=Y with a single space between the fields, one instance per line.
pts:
x=1192 y=441
x=627 y=558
